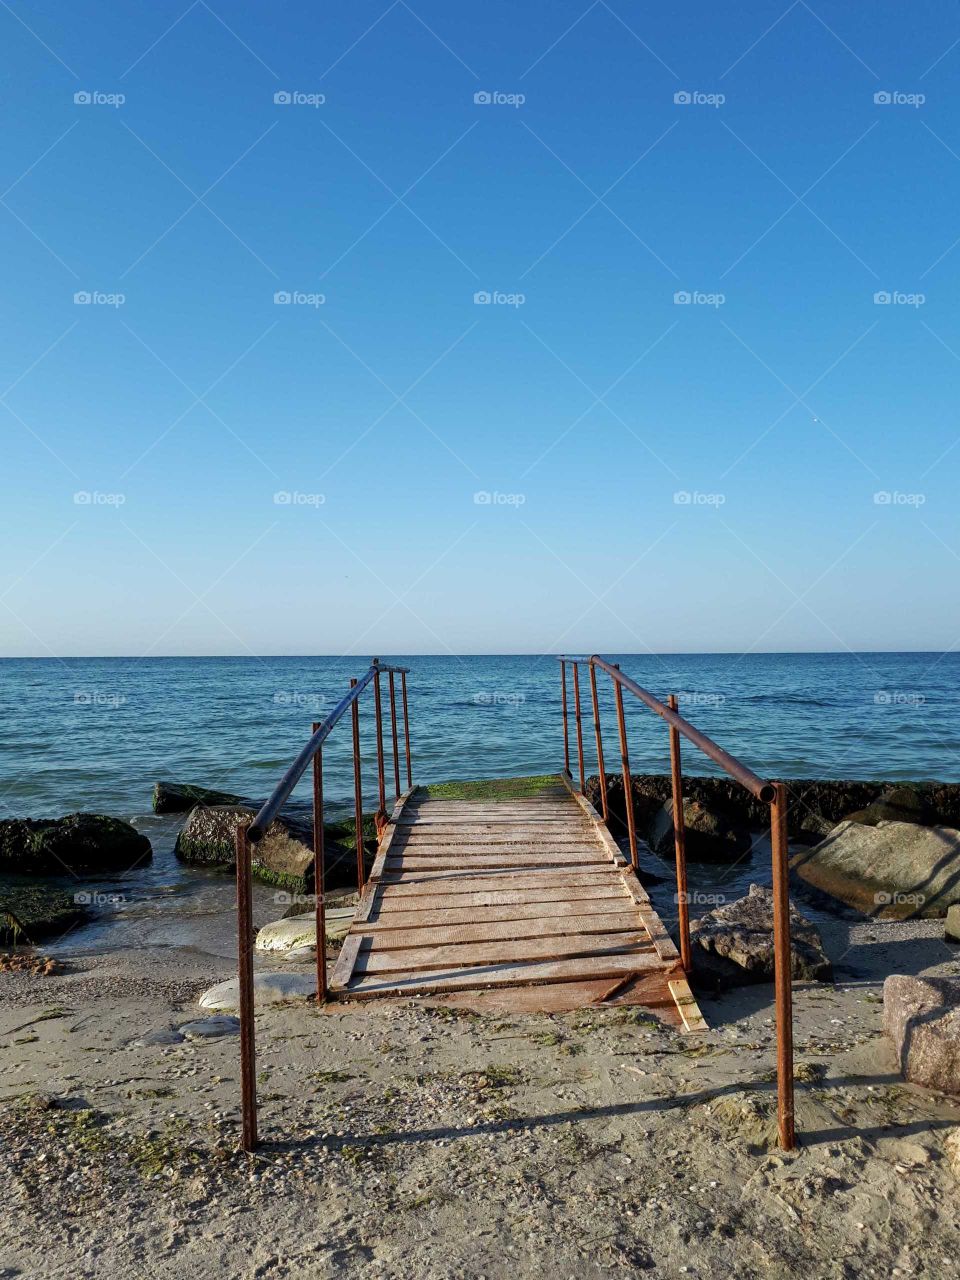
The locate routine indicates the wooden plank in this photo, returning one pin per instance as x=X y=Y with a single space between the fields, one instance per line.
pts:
x=468 y=834
x=390 y=832
x=377 y=957
x=454 y=861
x=501 y=913
x=343 y=971
x=687 y=1007
x=393 y=934
x=498 y=898
x=472 y=880
x=506 y=975
x=661 y=939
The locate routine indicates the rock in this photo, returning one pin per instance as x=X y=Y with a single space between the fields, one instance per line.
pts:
x=898 y=804
x=894 y=869
x=165 y=1035
x=951 y=928
x=711 y=836
x=952 y=1149
x=283 y=857
x=180 y=797
x=922 y=1018
x=301 y=930
x=29 y=911
x=268 y=988
x=733 y=944
x=211 y=1028
x=79 y=842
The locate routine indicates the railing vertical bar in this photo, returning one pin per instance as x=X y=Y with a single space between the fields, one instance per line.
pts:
x=319 y=892
x=248 y=1054
x=783 y=980
x=627 y=781
x=566 y=731
x=679 y=842
x=596 y=730
x=406 y=728
x=393 y=731
x=579 y=723
x=357 y=791
x=381 y=778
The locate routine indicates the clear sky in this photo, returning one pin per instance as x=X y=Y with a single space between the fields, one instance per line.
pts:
x=619 y=155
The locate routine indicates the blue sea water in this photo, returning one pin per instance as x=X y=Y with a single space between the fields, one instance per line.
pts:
x=96 y=733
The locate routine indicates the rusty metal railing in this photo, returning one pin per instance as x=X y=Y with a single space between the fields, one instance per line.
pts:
x=772 y=793
x=311 y=753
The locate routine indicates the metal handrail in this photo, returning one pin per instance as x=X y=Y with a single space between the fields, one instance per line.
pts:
x=772 y=793
x=282 y=791
x=245 y=838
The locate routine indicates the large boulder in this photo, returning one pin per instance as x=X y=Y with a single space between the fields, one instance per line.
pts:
x=180 y=797
x=733 y=944
x=79 y=842
x=268 y=988
x=894 y=869
x=711 y=836
x=922 y=1018
x=284 y=857
x=898 y=804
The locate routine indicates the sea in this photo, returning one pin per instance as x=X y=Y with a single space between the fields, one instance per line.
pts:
x=95 y=734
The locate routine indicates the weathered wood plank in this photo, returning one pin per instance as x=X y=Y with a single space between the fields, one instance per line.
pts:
x=391 y=934
x=500 y=898
x=343 y=970
x=396 y=917
x=473 y=880
x=521 y=861
x=506 y=975
x=687 y=1007
x=377 y=957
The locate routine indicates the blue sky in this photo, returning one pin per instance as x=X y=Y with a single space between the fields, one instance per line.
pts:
x=145 y=442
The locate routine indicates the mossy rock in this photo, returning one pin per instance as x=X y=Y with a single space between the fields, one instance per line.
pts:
x=181 y=797
x=30 y=911
x=78 y=842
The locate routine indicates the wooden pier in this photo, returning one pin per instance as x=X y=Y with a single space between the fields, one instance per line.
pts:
x=500 y=895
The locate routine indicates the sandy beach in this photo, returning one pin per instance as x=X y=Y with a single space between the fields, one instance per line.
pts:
x=401 y=1138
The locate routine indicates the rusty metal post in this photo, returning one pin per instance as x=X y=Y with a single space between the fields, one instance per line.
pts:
x=406 y=727
x=627 y=781
x=357 y=789
x=783 y=980
x=381 y=818
x=679 y=842
x=393 y=730
x=596 y=729
x=248 y=1054
x=579 y=723
x=318 y=874
x=566 y=731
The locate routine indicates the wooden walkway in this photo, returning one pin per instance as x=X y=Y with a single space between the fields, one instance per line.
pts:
x=504 y=895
